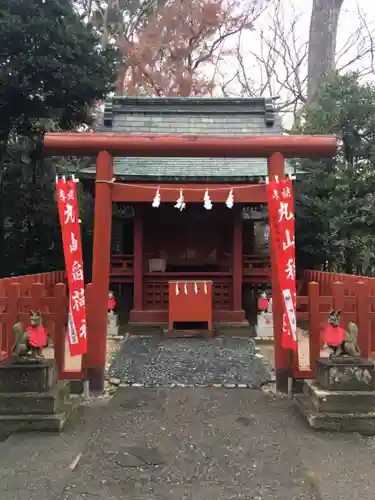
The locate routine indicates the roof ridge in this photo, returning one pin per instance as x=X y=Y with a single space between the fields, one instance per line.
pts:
x=189 y=105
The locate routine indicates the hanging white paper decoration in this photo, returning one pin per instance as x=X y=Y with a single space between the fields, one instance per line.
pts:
x=180 y=203
x=230 y=200
x=185 y=289
x=195 y=288
x=157 y=199
x=177 y=289
x=205 y=288
x=207 y=201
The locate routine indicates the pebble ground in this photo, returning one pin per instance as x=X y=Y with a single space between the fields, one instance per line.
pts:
x=154 y=361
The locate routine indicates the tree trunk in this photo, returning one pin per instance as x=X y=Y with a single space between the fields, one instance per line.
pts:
x=322 y=41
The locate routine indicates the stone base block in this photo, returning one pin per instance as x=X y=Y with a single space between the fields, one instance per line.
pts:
x=27 y=376
x=364 y=423
x=24 y=403
x=54 y=422
x=345 y=374
x=112 y=320
x=31 y=399
x=345 y=402
x=76 y=387
x=264 y=327
x=265 y=332
x=112 y=331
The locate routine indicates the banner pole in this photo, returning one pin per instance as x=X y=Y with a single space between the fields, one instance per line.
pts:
x=290 y=377
x=86 y=382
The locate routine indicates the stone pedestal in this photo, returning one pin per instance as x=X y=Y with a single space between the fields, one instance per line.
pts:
x=112 y=325
x=342 y=397
x=264 y=328
x=31 y=398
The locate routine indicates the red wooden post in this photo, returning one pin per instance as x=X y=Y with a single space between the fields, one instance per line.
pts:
x=338 y=293
x=97 y=334
x=363 y=319
x=138 y=260
x=237 y=262
x=38 y=291
x=276 y=168
x=314 y=324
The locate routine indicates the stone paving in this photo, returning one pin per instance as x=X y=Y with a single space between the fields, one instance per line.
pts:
x=188 y=443
x=185 y=444
x=201 y=444
x=154 y=361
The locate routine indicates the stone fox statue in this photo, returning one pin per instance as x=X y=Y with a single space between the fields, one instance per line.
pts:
x=30 y=342
x=342 y=342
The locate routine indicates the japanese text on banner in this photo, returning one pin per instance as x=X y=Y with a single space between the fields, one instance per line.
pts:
x=71 y=236
x=281 y=210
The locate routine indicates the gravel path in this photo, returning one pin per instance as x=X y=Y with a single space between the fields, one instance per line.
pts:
x=154 y=361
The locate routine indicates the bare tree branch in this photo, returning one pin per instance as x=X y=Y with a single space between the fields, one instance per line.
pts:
x=359 y=48
x=274 y=61
x=278 y=62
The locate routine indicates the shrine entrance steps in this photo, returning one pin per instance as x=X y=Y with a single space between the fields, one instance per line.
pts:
x=219 y=329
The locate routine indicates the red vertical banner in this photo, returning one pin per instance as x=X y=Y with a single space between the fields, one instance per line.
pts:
x=71 y=237
x=281 y=214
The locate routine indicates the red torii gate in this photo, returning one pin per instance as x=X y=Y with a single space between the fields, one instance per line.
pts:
x=106 y=146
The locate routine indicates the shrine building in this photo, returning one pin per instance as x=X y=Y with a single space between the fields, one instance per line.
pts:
x=226 y=248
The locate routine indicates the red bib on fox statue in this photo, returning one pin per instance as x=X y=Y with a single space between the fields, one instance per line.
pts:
x=37 y=336
x=263 y=302
x=333 y=334
x=111 y=301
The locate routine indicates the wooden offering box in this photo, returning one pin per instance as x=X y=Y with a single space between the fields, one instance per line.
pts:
x=190 y=302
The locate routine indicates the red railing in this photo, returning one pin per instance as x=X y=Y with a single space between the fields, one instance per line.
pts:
x=256 y=269
x=15 y=307
x=326 y=281
x=121 y=265
x=45 y=292
x=156 y=295
x=313 y=310
x=25 y=282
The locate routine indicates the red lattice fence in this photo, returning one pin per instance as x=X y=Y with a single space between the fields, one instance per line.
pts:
x=357 y=306
x=46 y=292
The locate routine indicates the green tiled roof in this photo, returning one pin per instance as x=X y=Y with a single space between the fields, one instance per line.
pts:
x=190 y=116
x=193 y=168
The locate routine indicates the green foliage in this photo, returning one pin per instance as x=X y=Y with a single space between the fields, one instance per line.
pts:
x=335 y=198
x=32 y=231
x=52 y=70
x=51 y=66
